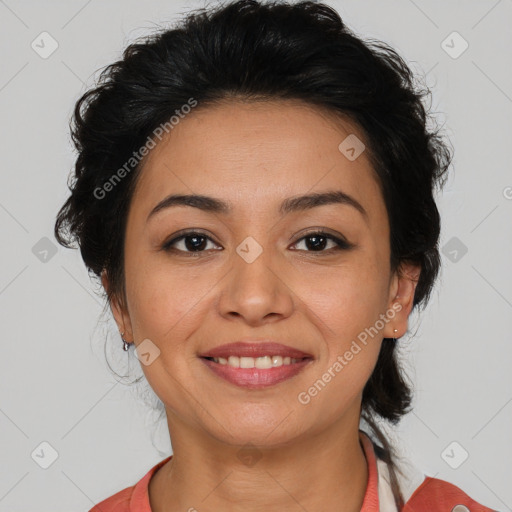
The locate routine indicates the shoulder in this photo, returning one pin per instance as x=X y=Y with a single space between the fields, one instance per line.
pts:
x=423 y=493
x=438 y=495
x=119 y=502
x=131 y=499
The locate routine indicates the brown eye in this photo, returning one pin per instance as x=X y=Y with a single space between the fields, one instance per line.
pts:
x=318 y=240
x=192 y=241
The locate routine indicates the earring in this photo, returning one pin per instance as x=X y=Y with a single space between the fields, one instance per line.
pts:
x=126 y=345
x=396 y=330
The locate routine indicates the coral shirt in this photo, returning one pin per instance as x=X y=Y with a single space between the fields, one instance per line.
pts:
x=424 y=495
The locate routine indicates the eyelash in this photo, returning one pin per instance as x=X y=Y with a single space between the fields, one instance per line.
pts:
x=341 y=244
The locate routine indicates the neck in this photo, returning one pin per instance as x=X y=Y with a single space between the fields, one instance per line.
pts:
x=326 y=471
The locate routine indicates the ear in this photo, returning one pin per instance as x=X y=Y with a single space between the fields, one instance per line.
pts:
x=401 y=298
x=119 y=311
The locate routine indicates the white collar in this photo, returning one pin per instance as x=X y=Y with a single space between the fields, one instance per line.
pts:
x=409 y=479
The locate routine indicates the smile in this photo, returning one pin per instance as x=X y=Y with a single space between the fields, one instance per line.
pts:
x=256 y=373
x=262 y=363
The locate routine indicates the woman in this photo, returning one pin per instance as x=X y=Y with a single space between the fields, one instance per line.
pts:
x=255 y=190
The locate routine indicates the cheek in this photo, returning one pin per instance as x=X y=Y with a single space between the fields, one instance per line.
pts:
x=166 y=300
x=347 y=302
x=347 y=297
x=168 y=306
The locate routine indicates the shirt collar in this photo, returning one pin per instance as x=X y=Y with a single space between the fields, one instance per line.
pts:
x=371 y=496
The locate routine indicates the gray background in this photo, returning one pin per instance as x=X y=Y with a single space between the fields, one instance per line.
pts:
x=55 y=385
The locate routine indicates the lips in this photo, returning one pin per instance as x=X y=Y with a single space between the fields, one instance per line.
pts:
x=256 y=378
x=260 y=349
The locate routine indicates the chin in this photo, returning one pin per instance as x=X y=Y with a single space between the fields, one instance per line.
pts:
x=265 y=432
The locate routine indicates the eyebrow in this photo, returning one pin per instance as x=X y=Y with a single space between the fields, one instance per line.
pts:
x=289 y=205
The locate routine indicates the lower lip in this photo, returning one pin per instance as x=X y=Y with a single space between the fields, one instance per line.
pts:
x=256 y=378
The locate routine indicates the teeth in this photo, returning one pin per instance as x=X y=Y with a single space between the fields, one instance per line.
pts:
x=256 y=362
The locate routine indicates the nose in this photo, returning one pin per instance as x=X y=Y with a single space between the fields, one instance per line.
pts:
x=255 y=289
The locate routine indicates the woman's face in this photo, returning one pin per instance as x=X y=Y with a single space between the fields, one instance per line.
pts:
x=258 y=271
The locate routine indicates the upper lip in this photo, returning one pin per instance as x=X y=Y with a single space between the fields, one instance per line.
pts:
x=255 y=349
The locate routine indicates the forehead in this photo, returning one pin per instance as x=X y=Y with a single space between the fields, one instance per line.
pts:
x=256 y=153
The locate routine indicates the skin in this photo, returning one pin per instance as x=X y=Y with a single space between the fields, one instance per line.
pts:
x=254 y=155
